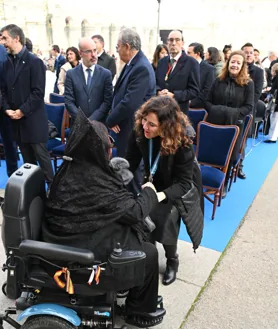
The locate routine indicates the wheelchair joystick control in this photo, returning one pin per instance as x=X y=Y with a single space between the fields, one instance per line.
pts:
x=118 y=250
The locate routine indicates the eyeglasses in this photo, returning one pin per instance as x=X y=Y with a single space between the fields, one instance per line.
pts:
x=112 y=141
x=174 y=39
x=89 y=51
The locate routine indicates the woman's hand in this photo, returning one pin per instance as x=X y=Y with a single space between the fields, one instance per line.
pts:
x=149 y=184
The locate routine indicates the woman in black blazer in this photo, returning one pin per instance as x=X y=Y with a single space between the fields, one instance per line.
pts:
x=161 y=140
x=231 y=97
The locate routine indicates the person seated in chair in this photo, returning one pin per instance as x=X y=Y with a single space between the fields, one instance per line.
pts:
x=90 y=207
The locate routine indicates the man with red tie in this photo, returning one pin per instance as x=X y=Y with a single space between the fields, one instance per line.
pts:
x=178 y=75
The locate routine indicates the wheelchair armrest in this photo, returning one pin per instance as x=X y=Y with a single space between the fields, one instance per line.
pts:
x=57 y=252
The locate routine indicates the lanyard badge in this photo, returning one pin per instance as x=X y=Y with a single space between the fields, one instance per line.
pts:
x=153 y=167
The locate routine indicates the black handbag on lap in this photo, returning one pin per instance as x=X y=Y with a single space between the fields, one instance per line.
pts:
x=192 y=216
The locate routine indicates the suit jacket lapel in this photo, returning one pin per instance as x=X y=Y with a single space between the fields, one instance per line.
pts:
x=178 y=66
x=20 y=65
x=82 y=77
x=123 y=74
x=94 y=78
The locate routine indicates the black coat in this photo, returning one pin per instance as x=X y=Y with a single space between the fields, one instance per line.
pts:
x=183 y=82
x=108 y=62
x=226 y=108
x=174 y=176
x=257 y=75
x=24 y=90
x=207 y=77
x=274 y=85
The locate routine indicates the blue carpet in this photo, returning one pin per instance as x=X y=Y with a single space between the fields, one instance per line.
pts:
x=219 y=231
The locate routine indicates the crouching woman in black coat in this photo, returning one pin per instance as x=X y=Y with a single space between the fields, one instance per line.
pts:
x=160 y=139
x=90 y=207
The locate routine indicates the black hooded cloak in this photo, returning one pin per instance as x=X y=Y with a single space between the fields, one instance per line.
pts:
x=89 y=206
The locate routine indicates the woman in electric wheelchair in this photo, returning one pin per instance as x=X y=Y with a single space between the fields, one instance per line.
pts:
x=90 y=207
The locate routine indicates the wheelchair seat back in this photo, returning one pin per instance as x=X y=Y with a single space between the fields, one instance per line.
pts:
x=23 y=209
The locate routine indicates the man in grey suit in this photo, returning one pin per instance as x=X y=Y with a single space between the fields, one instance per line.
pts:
x=104 y=60
x=88 y=85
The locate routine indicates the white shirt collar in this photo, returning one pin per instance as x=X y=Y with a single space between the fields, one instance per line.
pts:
x=199 y=60
x=86 y=72
x=177 y=57
x=131 y=59
x=100 y=54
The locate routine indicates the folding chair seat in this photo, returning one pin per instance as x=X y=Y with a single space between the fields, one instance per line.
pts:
x=215 y=145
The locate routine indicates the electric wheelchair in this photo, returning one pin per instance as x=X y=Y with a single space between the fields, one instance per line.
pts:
x=78 y=297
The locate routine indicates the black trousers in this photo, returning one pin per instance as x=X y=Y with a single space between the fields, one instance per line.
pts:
x=38 y=153
x=10 y=147
x=144 y=298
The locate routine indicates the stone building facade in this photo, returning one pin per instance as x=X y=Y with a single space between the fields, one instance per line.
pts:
x=211 y=22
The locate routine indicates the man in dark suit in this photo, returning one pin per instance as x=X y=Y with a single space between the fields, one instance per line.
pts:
x=196 y=50
x=104 y=60
x=88 y=86
x=10 y=148
x=135 y=85
x=178 y=75
x=59 y=62
x=257 y=75
x=23 y=99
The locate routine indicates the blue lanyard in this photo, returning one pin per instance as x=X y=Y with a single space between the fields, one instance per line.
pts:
x=153 y=167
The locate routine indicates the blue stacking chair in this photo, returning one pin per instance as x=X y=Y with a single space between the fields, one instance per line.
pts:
x=215 y=145
x=55 y=114
x=60 y=99
x=195 y=116
x=56 y=98
x=235 y=168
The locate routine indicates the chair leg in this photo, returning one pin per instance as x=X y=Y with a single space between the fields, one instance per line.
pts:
x=232 y=177
x=215 y=202
x=55 y=164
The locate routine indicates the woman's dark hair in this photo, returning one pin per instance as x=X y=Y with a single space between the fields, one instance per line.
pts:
x=214 y=56
x=227 y=48
x=74 y=50
x=172 y=123
x=157 y=52
x=242 y=78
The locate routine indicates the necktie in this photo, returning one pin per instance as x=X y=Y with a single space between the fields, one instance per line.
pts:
x=170 y=67
x=89 y=77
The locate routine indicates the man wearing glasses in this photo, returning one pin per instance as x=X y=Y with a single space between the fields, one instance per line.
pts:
x=88 y=86
x=178 y=75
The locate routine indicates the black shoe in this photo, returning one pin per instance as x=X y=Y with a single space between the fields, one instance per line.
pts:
x=144 y=319
x=224 y=193
x=170 y=274
x=241 y=174
x=269 y=141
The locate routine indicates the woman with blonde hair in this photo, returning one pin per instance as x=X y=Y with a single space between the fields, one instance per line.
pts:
x=161 y=140
x=231 y=97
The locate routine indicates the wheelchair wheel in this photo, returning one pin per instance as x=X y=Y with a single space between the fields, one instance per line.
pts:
x=46 y=322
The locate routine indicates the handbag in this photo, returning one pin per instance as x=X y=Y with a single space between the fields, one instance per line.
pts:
x=192 y=216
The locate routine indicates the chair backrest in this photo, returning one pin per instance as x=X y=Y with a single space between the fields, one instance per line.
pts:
x=56 y=98
x=247 y=124
x=215 y=144
x=23 y=208
x=55 y=114
x=196 y=116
